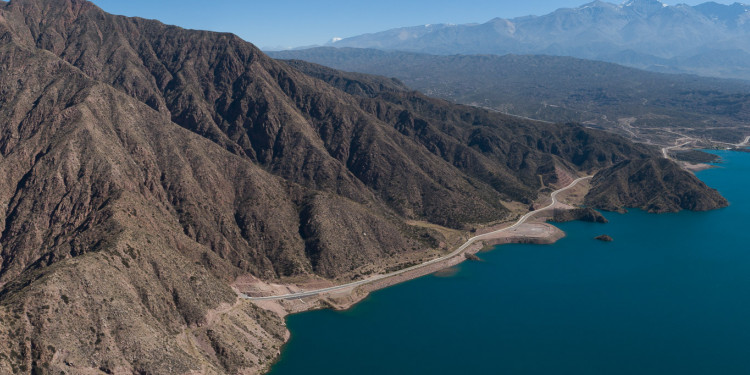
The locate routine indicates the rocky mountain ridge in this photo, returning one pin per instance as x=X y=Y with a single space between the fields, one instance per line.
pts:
x=644 y=106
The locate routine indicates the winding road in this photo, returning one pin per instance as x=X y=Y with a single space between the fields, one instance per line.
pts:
x=665 y=150
x=455 y=253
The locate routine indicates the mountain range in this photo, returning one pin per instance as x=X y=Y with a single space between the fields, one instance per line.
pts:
x=648 y=107
x=707 y=39
x=145 y=168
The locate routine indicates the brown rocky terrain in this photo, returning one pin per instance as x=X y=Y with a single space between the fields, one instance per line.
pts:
x=652 y=184
x=145 y=167
x=604 y=238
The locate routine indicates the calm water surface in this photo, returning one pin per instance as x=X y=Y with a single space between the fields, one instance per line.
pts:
x=671 y=295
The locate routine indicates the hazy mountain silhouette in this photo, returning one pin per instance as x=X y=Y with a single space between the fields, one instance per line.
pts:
x=708 y=39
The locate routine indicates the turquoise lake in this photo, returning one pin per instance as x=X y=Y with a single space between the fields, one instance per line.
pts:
x=670 y=295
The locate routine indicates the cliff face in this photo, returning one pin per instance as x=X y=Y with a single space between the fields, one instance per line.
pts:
x=653 y=184
x=145 y=167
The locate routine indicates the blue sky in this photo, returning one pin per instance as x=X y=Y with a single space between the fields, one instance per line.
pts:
x=294 y=23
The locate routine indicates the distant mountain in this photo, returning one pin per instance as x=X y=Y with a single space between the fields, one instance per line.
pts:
x=645 y=106
x=707 y=39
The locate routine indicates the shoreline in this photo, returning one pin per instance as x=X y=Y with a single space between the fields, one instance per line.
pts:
x=346 y=299
x=284 y=299
x=549 y=235
x=503 y=280
x=698 y=167
x=514 y=229
x=531 y=227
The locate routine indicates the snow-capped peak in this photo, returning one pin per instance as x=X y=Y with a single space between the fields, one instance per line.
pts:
x=643 y=6
x=637 y=3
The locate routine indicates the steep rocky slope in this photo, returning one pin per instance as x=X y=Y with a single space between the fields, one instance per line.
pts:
x=98 y=271
x=145 y=167
x=652 y=184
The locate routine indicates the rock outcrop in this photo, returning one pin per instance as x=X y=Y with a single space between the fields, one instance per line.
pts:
x=583 y=214
x=604 y=238
x=472 y=257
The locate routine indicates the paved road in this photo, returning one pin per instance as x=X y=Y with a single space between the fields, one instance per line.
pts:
x=456 y=252
x=745 y=142
x=516 y=116
x=665 y=150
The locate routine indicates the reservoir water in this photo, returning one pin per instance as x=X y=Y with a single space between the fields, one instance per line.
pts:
x=670 y=295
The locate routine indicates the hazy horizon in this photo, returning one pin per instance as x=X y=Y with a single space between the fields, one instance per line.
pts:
x=290 y=23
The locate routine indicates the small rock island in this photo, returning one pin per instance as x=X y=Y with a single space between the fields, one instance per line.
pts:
x=604 y=238
x=472 y=257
